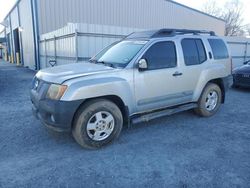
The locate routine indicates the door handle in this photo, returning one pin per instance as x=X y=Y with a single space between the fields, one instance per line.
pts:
x=177 y=73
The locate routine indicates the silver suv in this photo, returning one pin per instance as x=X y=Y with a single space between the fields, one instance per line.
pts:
x=144 y=76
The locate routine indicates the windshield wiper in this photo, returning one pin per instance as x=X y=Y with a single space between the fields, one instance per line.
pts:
x=102 y=62
x=92 y=61
x=105 y=63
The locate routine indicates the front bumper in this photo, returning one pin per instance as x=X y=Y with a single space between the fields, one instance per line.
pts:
x=242 y=80
x=54 y=114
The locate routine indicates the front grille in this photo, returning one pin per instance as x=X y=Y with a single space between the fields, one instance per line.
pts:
x=242 y=78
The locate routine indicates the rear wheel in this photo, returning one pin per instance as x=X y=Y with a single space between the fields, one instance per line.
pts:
x=209 y=101
x=97 y=123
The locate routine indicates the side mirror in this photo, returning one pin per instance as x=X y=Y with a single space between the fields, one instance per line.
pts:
x=143 y=65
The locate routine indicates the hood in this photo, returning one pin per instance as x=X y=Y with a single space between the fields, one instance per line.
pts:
x=242 y=70
x=59 y=74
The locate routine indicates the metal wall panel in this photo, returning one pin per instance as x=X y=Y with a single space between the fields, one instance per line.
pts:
x=114 y=17
x=27 y=33
x=78 y=42
x=14 y=25
x=14 y=18
x=239 y=49
x=8 y=29
x=144 y=14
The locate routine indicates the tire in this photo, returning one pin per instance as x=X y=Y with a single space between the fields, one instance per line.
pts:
x=97 y=123
x=210 y=100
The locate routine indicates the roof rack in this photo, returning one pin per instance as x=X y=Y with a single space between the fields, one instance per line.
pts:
x=167 y=33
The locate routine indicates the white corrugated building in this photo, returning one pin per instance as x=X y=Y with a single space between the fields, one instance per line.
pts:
x=39 y=31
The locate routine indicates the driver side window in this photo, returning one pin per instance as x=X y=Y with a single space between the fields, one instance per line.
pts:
x=161 y=55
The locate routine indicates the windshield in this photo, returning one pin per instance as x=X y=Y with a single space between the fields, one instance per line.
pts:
x=119 y=54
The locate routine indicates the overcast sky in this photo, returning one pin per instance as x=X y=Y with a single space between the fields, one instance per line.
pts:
x=6 y=5
x=197 y=4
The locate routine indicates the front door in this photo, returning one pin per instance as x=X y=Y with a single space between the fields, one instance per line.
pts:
x=161 y=84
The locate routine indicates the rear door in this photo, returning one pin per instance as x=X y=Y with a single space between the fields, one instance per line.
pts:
x=194 y=62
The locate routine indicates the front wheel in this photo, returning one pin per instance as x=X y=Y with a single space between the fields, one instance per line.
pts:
x=97 y=123
x=209 y=101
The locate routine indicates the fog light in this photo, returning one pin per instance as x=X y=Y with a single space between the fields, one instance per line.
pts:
x=52 y=118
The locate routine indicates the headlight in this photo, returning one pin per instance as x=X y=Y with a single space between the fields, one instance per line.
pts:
x=56 y=91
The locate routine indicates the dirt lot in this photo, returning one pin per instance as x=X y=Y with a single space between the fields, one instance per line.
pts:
x=181 y=150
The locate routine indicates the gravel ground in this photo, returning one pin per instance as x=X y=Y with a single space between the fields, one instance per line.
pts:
x=181 y=150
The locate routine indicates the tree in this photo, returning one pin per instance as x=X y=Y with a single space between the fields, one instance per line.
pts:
x=231 y=13
x=247 y=29
x=211 y=8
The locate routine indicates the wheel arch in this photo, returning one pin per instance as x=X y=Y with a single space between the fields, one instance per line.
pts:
x=220 y=83
x=113 y=98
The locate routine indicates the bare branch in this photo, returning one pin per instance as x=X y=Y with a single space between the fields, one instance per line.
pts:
x=231 y=13
x=211 y=8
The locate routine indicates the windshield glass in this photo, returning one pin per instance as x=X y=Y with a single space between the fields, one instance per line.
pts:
x=119 y=54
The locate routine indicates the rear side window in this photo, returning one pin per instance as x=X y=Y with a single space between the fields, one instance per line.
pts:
x=161 y=55
x=219 y=48
x=193 y=51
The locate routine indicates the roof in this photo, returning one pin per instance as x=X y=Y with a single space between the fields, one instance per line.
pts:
x=167 y=33
x=174 y=2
